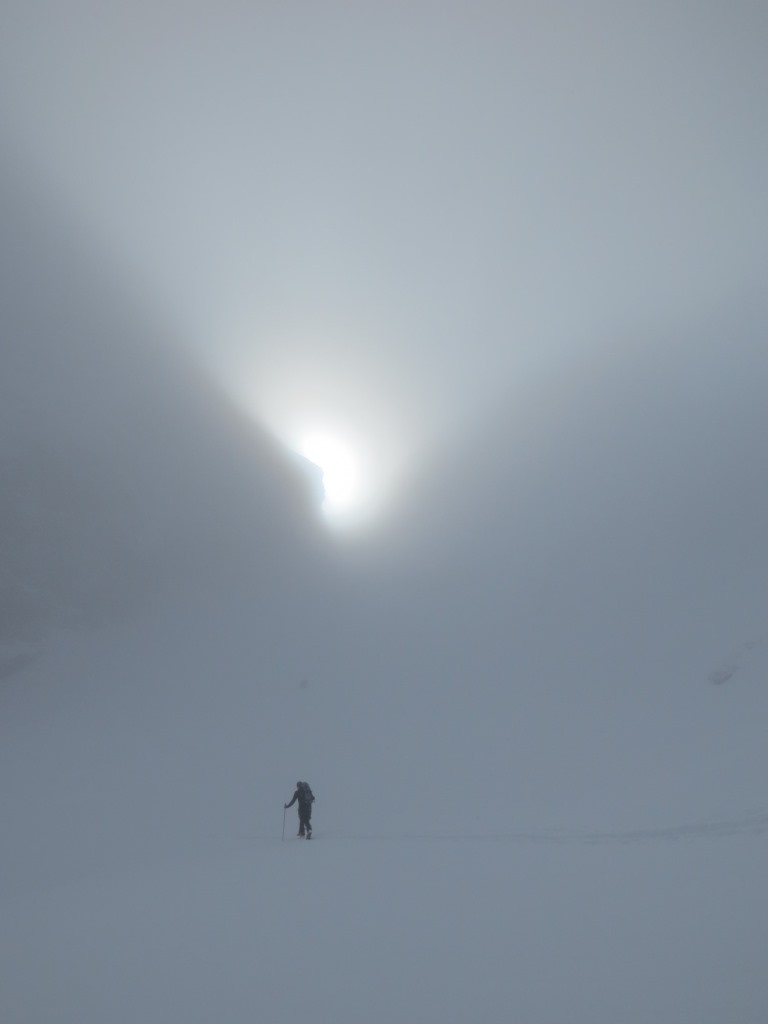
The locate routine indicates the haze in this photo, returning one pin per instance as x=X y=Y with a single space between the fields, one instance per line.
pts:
x=512 y=257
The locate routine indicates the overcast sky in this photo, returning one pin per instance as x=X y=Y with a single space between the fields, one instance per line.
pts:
x=389 y=220
x=513 y=256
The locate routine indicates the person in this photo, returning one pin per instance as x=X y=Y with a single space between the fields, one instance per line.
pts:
x=305 y=798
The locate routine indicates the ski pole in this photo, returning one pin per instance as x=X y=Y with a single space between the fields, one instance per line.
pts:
x=283 y=825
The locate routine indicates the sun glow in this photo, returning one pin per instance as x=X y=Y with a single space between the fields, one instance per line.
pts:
x=341 y=473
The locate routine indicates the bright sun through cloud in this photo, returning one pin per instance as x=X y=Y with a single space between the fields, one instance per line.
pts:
x=341 y=475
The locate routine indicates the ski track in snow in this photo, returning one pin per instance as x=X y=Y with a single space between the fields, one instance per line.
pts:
x=751 y=823
x=732 y=664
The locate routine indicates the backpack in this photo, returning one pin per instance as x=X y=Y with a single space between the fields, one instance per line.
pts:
x=306 y=796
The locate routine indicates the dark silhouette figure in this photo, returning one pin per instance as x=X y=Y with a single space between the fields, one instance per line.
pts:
x=305 y=798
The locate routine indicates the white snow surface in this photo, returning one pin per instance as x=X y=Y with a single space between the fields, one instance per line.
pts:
x=143 y=876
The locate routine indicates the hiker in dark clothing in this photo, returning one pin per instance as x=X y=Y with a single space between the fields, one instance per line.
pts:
x=305 y=797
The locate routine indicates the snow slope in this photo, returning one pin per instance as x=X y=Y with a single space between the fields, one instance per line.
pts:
x=144 y=877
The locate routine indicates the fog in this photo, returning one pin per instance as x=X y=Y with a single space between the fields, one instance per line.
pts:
x=383 y=220
x=529 y=688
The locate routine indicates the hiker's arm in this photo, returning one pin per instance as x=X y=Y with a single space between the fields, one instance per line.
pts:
x=295 y=798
